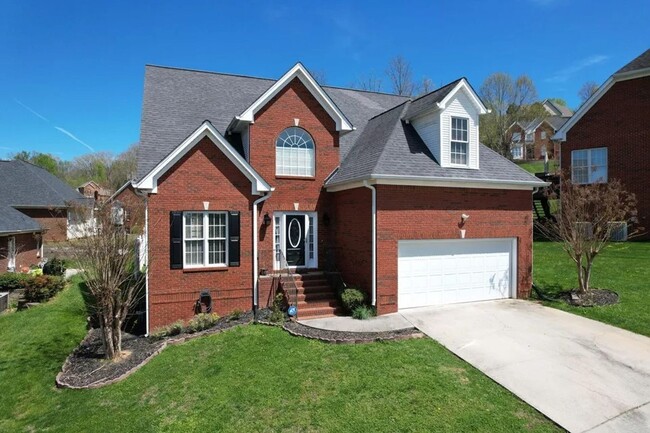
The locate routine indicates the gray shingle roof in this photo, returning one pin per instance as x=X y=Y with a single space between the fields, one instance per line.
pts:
x=641 y=62
x=426 y=102
x=13 y=221
x=177 y=101
x=391 y=147
x=557 y=121
x=25 y=185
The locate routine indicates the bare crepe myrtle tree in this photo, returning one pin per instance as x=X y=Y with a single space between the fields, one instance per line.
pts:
x=587 y=217
x=108 y=258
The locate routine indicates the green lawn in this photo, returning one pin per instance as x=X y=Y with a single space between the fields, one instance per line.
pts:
x=622 y=267
x=537 y=166
x=252 y=378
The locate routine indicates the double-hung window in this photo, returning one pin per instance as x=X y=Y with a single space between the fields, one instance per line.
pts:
x=589 y=166
x=459 y=141
x=204 y=239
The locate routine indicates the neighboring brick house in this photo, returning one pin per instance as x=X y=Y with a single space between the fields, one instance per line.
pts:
x=245 y=176
x=128 y=208
x=92 y=189
x=34 y=208
x=609 y=135
x=533 y=140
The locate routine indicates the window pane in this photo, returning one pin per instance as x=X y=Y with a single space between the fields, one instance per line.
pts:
x=194 y=252
x=217 y=252
x=458 y=153
x=294 y=154
x=193 y=225
x=217 y=225
x=458 y=129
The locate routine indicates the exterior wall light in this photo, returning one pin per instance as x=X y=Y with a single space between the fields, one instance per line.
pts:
x=267 y=219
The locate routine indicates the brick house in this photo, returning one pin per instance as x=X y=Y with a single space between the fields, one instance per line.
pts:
x=128 y=207
x=92 y=189
x=245 y=176
x=533 y=140
x=34 y=208
x=602 y=140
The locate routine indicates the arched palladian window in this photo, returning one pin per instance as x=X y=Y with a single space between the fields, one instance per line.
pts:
x=294 y=153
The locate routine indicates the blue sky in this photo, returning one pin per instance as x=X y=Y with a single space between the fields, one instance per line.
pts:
x=71 y=73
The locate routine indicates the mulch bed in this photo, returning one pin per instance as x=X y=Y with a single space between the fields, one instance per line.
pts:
x=87 y=368
x=343 y=337
x=592 y=298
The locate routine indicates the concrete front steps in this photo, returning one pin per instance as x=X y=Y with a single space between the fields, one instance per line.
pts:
x=315 y=296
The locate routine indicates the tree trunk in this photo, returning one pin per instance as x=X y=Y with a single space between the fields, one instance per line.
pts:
x=581 y=279
x=107 y=339
x=117 y=337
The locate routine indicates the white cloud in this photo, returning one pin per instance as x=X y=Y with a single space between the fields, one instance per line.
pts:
x=565 y=74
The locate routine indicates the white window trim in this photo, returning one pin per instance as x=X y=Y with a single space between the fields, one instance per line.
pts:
x=206 y=240
x=309 y=264
x=589 y=165
x=451 y=140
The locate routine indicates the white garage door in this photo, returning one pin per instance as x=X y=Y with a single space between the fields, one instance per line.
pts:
x=436 y=272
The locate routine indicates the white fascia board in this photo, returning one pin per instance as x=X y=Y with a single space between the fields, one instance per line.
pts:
x=149 y=183
x=472 y=96
x=299 y=71
x=439 y=182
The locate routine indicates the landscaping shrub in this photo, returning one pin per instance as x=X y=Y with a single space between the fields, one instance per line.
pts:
x=202 y=321
x=277 y=310
x=11 y=281
x=351 y=298
x=54 y=266
x=363 y=312
x=236 y=314
x=40 y=288
x=168 y=331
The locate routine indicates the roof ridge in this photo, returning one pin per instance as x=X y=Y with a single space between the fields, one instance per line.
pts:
x=228 y=74
x=398 y=123
x=439 y=88
x=408 y=101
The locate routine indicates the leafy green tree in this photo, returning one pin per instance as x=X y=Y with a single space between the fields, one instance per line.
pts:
x=43 y=160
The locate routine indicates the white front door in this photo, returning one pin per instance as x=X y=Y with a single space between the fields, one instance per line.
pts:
x=295 y=236
x=11 y=254
x=435 y=272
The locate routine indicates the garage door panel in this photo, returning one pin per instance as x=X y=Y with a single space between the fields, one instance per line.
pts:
x=438 y=272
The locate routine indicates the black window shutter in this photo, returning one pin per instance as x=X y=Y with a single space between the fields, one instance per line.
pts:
x=233 y=238
x=176 y=239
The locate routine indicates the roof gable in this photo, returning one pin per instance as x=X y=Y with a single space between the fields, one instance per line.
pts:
x=439 y=98
x=637 y=68
x=301 y=73
x=150 y=181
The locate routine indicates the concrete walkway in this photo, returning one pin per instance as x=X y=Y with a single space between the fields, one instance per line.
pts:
x=585 y=375
x=388 y=322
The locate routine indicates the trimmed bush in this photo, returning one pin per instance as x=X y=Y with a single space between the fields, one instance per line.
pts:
x=11 y=281
x=168 y=331
x=363 y=312
x=351 y=298
x=54 y=266
x=201 y=322
x=42 y=287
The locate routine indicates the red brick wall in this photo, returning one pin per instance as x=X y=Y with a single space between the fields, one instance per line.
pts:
x=54 y=221
x=541 y=142
x=352 y=227
x=294 y=102
x=134 y=207
x=27 y=252
x=434 y=213
x=204 y=174
x=620 y=121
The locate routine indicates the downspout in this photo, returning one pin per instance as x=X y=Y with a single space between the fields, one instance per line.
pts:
x=255 y=263
x=145 y=196
x=374 y=241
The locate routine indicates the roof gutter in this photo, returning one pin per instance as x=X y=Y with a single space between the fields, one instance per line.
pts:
x=440 y=182
x=374 y=241
x=20 y=232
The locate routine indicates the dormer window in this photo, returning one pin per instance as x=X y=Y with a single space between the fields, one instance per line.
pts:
x=459 y=141
x=294 y=153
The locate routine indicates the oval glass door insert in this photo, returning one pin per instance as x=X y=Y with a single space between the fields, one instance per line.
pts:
x=295 y=233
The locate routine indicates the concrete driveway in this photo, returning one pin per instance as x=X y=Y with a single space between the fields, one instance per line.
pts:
x=582 y=374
